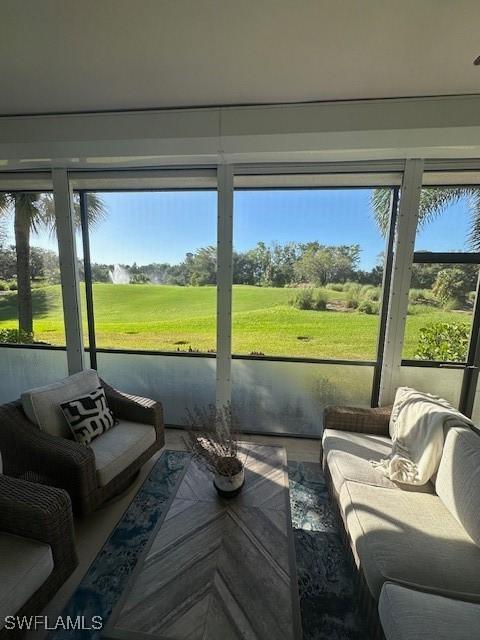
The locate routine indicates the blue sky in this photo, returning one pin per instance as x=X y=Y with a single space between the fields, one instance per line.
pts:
x=163 y=226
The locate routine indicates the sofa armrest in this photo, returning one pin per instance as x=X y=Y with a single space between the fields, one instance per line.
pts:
x=41 y=513
x=134 y=408
x=361 y=420
x=33 y=454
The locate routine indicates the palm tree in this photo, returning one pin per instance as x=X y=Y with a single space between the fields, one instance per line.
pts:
x=433 y=202
x=33 y=212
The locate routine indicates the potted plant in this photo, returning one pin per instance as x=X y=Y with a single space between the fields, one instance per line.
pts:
x=213 y=442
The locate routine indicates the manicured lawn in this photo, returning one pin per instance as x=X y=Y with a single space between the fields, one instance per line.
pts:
x=171 y=318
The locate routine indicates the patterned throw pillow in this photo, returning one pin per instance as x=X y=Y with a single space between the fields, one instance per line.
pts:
x=89 y=416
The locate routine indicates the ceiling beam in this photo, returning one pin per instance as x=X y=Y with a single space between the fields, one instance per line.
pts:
x=442 y=127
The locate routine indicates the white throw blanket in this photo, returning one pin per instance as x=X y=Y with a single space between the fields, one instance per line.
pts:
x=417 y=427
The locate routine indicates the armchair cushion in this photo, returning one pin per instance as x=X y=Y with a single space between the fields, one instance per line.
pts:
x=117 y=448
x=42 y=404
x=25 y=564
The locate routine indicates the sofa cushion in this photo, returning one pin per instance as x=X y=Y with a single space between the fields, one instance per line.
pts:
x=458 y=478
x=407 y=614
x=349 y=457
x=410 y=538
x=117 y=448
x=25 y=564
x=42 y=404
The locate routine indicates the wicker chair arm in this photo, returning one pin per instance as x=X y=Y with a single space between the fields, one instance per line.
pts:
x=36 y=511
x=361 y=420
x=33 y=454
x=134 y=408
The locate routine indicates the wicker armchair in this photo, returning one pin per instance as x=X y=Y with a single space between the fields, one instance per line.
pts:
x=35 y=455
x=44 y=514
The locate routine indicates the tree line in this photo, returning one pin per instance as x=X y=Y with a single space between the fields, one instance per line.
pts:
x=264 y=265
x=272 y=265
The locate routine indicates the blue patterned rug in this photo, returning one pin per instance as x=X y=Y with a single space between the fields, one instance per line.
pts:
x=325 y=577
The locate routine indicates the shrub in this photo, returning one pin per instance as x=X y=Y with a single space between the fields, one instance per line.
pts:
x=365 y=288
x=333 y=286
x=471 y=296
x=352 y=287
x=417 y=296
x=451 y=284
x=15 y=336
x=370 y=307
x=319 y=301
x=450 y=304
x=303 y=299
x=3 y=285
x=443 y=341
x=13 y=286
x=353 y=300
x=418 y=309
x=371 y=293
x=309 y=300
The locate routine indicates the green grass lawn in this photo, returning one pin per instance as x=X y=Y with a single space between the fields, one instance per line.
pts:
x=171 y=318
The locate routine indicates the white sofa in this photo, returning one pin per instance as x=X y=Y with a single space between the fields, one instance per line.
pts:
x=426 y=538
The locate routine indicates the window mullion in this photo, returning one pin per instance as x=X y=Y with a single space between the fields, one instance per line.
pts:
x=68 y=269
x=224 y=285
x=401 y=276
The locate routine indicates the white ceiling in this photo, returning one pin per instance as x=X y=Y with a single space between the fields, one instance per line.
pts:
x=82 y=55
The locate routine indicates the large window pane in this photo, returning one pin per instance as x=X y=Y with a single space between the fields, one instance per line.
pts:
x=30 y=294
x=153 y=260
x=442 y=296
x=440 y=312
x=308 y=269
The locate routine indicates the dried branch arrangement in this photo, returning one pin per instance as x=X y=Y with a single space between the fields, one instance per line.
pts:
x=213 y=440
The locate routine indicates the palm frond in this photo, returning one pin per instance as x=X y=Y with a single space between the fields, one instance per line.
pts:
x=381 y=203
x=435 y=200
x=5 y=203
x=46 y=214
x=5 y=211
x=40 y=209
x=474 y=207
x=97 y=211
x=30 y=206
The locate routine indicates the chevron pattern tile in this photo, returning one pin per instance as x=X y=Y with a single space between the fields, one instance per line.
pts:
x=218 y=569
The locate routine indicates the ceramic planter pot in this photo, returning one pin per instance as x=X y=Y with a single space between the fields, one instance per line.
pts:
x=230 y=485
